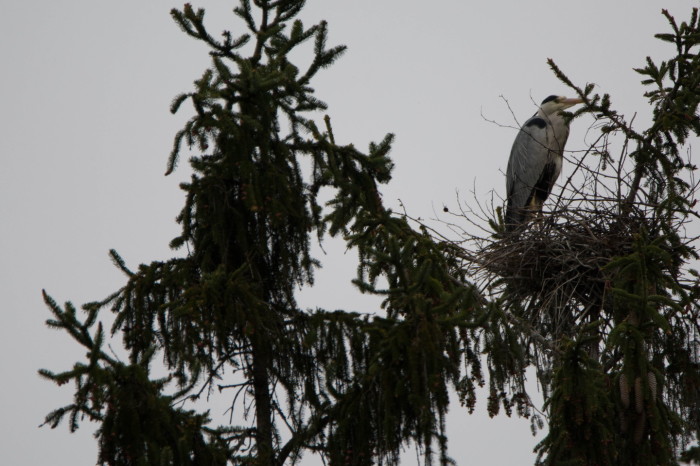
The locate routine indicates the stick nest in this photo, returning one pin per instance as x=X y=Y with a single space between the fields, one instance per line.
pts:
x=551 y=269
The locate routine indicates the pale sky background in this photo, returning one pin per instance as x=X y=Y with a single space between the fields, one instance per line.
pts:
x=85 y=88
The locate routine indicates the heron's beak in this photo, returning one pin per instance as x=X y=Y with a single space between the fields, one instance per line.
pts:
x=571 y=102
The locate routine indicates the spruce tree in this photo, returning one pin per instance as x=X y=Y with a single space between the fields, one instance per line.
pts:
x=602 y=288
x=353 y=388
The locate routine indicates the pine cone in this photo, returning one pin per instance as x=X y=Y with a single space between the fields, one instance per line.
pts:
x=638 y=395
x=624 y=391
x=652 y=384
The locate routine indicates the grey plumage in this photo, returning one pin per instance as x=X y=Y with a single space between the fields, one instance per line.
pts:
x=536 y=159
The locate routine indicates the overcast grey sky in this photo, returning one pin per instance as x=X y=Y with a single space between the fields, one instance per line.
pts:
x=84 y=95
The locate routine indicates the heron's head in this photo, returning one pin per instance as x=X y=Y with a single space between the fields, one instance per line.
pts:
x=556 y=103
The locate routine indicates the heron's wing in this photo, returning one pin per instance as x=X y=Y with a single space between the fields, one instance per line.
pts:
x=528 y=158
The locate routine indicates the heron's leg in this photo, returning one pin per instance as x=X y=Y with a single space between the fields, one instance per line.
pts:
x=538 y=218
x=534 y=211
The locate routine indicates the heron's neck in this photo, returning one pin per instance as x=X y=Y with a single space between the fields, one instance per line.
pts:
x=555 y=118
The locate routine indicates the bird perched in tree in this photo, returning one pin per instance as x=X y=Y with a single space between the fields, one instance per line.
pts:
x=536 y=159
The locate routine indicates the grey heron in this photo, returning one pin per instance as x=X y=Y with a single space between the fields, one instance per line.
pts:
x=536 y=159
